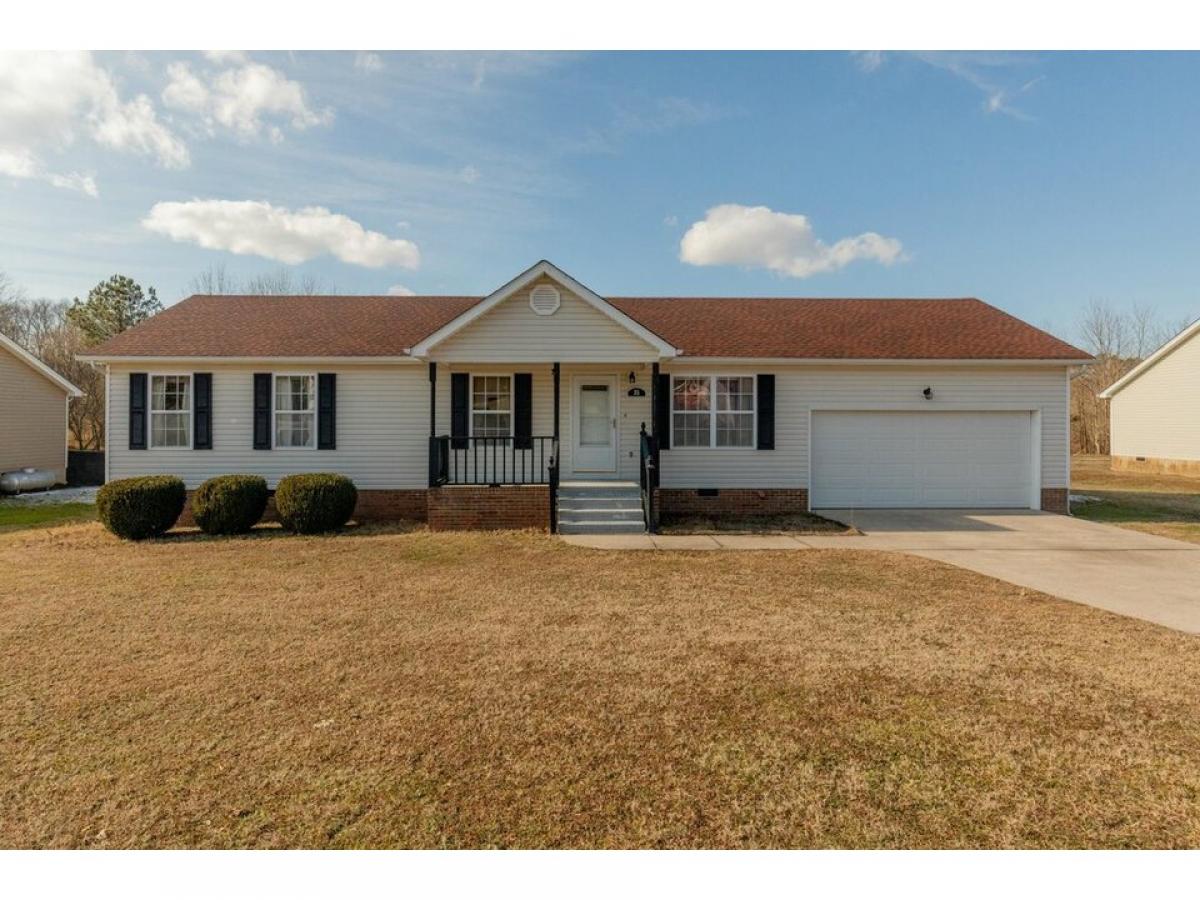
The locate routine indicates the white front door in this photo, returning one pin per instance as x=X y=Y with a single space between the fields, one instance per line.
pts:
x=594 y=424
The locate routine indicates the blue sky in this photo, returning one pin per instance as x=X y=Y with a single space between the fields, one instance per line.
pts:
x=1038 y=182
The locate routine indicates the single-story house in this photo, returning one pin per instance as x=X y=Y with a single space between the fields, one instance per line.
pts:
x=544 y=404
x=1154 y=413
x=33 y=412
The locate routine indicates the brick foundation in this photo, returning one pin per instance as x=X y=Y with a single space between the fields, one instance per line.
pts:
x=1055 y=500
x=674 y=502
x=372 y=506
x=1154 y=465
x=391 y=506
x=457 y=508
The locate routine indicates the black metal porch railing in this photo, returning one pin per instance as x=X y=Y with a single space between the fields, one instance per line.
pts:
x=649 y=477
x=492 y=460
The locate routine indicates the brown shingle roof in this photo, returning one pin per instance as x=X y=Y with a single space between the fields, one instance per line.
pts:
x=747 y=327
x=287 y=326
x=843 y=328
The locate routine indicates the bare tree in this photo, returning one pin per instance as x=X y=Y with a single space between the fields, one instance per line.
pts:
x=1119 y=341
x=281 y=282
x=44 y=329
x=214 y=280
x=85 y=415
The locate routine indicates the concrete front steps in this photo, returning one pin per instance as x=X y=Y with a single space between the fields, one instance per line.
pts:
x=600 y=507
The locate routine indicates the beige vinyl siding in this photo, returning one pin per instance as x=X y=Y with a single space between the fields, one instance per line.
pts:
x=798 y=389
x=513 y=331
x=33 y=418
x=1157 y=415
x=382 y=428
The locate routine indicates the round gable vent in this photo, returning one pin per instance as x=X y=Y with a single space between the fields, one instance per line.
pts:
x=544 y=300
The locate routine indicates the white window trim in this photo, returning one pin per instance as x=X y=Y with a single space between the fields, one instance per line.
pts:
x=191 y=415
x=712 y=412
x=275 y=412
x=512 y=402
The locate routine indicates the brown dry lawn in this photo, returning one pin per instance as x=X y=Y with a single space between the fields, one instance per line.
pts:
x=1166 y=505
x=386 y=688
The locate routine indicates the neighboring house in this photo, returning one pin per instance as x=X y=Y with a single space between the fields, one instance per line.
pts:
x=1154 y=410
x=468 y=411
x=33 y=412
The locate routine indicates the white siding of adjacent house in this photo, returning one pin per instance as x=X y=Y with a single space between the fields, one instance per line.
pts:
x=33 y=418
x=512 y=331
x=382 y=428
x=1157 y=415
x=800 y=389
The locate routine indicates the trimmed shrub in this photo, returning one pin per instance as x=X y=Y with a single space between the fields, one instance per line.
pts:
x=229 y=504
x=139 y=508
x=320 y=501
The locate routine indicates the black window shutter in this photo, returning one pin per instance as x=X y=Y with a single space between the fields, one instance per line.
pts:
x=662 y=411
x=522 y=411
x=262 y=410
x=766 y=412
x=326 y=411
x=137 y=410
x=460 y=398
x=202 y=411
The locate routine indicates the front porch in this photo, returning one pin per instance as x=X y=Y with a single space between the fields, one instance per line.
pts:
x=500 y=435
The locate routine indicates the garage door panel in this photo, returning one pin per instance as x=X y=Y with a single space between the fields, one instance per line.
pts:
x=921 y=459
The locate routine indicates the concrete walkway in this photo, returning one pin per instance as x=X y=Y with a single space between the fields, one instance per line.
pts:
x=1116 y=569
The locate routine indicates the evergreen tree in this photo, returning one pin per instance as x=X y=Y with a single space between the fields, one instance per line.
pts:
x=111 y=307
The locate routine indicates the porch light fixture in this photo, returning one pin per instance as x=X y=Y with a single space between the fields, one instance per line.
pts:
x=632 y=377
x=927 y=393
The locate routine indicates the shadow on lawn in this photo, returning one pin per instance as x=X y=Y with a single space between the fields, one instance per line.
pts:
x=271 y=531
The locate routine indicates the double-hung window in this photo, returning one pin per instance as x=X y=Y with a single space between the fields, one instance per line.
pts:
x=712 y=411
x=491 y=406
x=295 y=410
x=170 y=410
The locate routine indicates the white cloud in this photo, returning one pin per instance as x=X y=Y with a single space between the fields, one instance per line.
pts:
x=469 y=174
x=225 y=56
x=671 y=221
x=134 y=127
x=759 y=237
x=48 y=101
x=242 y=97
x=74 y=181
x=184 y=90
x=988 y=72
x=399 y=290
x=368 y=62
x=260 y=229
x=868 y=60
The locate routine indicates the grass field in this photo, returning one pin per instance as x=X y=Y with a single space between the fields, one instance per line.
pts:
x=1167 y=505
x=392 y=688
x=14 y=516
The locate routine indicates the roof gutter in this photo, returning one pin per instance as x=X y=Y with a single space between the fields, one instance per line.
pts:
x=236 y=360
x=907 y=361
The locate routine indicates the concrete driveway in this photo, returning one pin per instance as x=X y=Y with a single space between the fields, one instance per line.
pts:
x=1123 y=571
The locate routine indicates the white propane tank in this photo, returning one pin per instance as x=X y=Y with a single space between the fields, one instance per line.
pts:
x=28 y=479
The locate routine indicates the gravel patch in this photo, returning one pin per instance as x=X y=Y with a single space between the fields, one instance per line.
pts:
x=59 y=495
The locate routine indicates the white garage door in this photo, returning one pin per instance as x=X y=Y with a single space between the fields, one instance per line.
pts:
x=921 y=459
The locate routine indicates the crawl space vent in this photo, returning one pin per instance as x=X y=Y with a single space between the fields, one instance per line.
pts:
x=544 y=300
